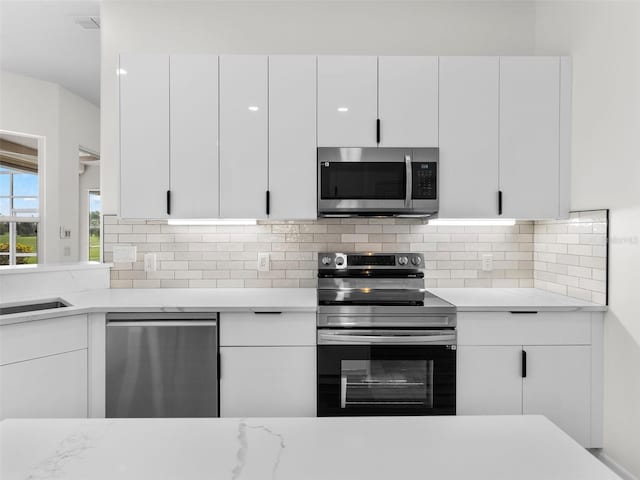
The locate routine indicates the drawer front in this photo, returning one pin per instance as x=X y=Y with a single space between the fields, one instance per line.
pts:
x=51 y=387
x=29 y=340
x=267 y=329
x=506 y=328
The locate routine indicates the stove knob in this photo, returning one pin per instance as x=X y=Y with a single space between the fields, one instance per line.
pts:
x=339 y=261
x=403 y=260
x=416 y=261
x=326 y=260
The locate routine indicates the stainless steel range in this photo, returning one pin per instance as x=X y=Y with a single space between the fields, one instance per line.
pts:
x=386 y=346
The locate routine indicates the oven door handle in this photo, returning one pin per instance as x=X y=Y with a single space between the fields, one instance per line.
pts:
x=409 y=183
x=337 y=338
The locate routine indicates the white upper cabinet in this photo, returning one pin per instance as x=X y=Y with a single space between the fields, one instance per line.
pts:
x=144 y=135
x=194 y=136
x=292 y=137
x=530 y=137
x=469 y=135
x=243 y=136
x=408 y=101
x=347 y=101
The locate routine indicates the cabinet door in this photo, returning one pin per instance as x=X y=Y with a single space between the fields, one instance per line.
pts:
x=144 y=135
x=558 y=386
x=194 y=136
x=347 y=101
x=408 y=101
x=529 y=137
x=489 y=380
x=243 y=136
x=292 y=137
x=47 y=387
x=469 y=137
x=268 y=381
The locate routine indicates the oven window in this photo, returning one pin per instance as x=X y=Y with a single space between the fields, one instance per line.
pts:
x=363 y=180
x=386 y=383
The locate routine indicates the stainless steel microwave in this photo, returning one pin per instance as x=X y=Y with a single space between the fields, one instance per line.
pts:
x=377 y=182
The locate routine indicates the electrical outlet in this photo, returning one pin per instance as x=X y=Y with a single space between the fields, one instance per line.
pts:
x=67 y=251
x=264 y=262
x=65 y=232
x=124 y=253
x=487 y=262
x=150 y=264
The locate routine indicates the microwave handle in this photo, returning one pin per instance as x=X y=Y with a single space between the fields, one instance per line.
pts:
x=409 y=183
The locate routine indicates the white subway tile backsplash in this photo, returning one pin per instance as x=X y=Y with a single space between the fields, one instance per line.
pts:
x=570 y=256
x=226 y=256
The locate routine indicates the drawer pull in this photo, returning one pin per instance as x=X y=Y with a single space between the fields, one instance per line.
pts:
x=523 y=312
x=268 y=313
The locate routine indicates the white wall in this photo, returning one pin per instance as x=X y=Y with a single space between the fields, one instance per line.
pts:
x=66 y=121
x=447 y=28
x=604 y=41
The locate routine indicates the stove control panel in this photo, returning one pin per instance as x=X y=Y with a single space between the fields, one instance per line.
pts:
x=370 y=261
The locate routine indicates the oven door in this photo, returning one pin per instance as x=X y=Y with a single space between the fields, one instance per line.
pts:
x=374 y=373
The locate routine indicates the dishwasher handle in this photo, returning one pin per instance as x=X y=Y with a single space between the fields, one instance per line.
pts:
x=163 y=323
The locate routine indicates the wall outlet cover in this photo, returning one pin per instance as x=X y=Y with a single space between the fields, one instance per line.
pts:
x=65 y=232
x=264 y=262
x=487 y=262
x=150 y=264
x=124 y=253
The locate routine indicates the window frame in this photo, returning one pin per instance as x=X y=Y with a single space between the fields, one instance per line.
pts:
x=15 y=217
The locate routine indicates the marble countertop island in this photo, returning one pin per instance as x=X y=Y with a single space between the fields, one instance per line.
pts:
x=373 y=448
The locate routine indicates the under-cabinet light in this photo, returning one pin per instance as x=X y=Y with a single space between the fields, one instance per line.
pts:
x=211 y=221
x=475 y=222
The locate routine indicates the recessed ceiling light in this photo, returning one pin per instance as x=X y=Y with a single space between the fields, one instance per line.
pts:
x=253 y=108
x=121 y=71
x=343 y=109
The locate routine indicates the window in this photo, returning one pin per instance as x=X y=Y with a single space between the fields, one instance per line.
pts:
x=19 y=215
x=94 y=226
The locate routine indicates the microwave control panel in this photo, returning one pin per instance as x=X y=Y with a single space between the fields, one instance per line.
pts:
x=425 y=181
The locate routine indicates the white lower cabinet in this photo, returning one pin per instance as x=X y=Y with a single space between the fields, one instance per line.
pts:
x=558 y=386
x=489 y=380
x=47 y=387
x=559 y=381
x=268 y=381
x=43 y=368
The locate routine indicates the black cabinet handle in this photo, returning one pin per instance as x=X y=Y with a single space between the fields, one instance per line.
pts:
x=168 y=202
x=523 y=312
x=268 y=202
x=499 y=202
x=268 y=313
x=378 y=130
x=219 y=368
x=524 y=364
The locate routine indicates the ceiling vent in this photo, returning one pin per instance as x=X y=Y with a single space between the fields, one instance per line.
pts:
x=88 y=23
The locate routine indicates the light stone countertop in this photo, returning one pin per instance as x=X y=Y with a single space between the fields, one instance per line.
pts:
x=372 y=448
x=175 y=300
x=53 y=267
x=506 y=299
x=281 y=299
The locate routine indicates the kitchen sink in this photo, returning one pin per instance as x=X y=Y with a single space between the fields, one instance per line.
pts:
x=33 y=307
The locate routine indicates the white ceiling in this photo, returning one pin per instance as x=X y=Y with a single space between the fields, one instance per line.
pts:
x=41 y=39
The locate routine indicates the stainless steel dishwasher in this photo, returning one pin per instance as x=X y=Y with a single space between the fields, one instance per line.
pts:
x=162 y=365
